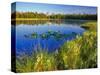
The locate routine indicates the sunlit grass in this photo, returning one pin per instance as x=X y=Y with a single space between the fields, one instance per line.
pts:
x=81 y=52
x=38 y=61
x=90 y=25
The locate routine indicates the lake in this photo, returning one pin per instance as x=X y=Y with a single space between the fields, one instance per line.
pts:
x=47 y=35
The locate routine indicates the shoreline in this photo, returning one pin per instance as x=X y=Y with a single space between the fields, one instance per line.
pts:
x=18 y=19
x=34 y=19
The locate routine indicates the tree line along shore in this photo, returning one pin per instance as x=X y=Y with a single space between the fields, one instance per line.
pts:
x=43 y=16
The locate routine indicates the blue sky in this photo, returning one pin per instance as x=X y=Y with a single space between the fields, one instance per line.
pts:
x=54 y=8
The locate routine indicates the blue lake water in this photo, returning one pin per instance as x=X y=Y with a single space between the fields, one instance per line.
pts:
x=27 y=45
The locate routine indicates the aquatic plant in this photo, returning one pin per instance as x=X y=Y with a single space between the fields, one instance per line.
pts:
x=34 y=35
x=44 y=36
x=55 y=34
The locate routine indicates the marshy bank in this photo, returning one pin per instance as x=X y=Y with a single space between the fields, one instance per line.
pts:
x=78 y=53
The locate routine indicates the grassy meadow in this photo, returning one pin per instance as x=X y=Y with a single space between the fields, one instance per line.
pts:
x=79 y=53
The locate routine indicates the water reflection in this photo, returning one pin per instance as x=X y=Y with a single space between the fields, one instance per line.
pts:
x=37 y=22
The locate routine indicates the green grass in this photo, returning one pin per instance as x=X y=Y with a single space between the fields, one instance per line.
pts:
x=38 y=61
x=90 y=26
x=79 y=53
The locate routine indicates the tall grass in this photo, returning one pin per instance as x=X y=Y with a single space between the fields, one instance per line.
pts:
x=81 y=52
x=75 y=54
x=38 y=61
